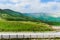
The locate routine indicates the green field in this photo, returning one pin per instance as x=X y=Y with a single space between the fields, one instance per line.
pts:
x=53 y=23
x=17 y=22
x=18 y=26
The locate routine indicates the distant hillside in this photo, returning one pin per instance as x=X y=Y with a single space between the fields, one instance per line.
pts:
x=11 y=15
x=13 y=21
x=17 y=16
x=44 y=17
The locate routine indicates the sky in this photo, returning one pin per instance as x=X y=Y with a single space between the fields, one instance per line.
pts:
x=32 y=6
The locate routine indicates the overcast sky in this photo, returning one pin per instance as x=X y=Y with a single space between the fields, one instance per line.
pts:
x=32 y=6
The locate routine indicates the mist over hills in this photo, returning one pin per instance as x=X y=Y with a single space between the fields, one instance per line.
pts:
x=17 y=16
x=45 y=17
x=14 y=16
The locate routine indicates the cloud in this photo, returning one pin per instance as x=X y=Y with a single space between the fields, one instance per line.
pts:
x=31 y=6
x=15 y=1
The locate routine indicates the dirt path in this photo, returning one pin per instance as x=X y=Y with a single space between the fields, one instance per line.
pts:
x=56 y=28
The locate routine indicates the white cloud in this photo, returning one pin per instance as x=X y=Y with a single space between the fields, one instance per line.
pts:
x=14 y=1
x=33 y=6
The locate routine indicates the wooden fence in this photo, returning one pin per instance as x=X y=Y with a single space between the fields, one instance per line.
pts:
x=29 y=36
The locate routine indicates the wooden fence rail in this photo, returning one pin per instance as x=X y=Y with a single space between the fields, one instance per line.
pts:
x=30 y=36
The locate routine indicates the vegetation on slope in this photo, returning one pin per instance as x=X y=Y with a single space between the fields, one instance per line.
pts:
x=15 y=16
x=15 y=21
x=53 y=23
x=23 y=26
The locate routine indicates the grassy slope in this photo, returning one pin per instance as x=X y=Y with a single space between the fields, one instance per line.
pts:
x=20 y=22
x=23 y=26
x=54 y=23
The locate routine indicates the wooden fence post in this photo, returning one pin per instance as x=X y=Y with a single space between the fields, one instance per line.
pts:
x=1 y=37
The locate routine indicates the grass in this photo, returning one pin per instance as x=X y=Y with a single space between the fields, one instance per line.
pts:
x=54 y=23
x=18 y=26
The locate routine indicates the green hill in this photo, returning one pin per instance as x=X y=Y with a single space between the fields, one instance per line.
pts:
x=15 y=21
x=11 y=15
x=18 y=26
x=14 y=16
